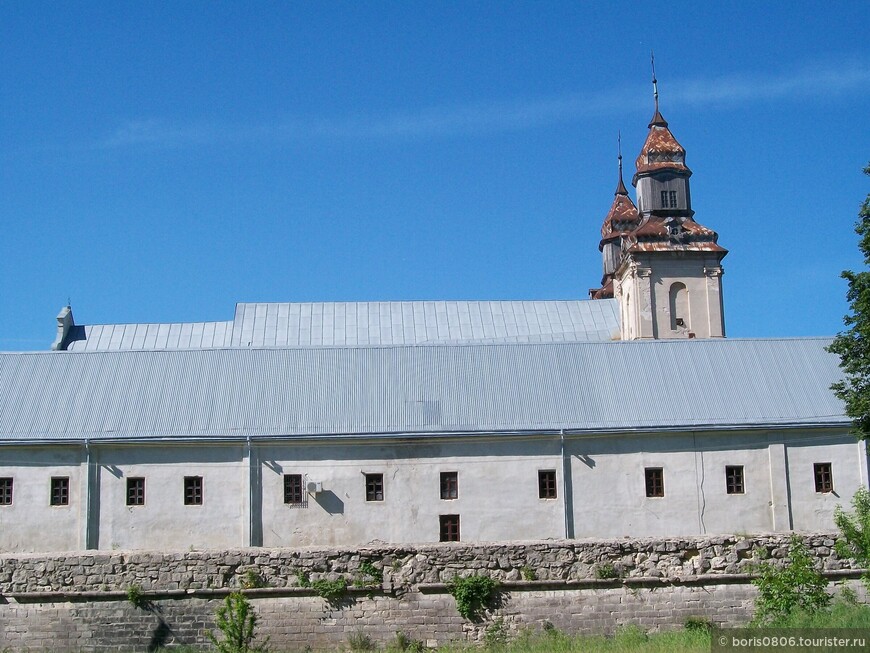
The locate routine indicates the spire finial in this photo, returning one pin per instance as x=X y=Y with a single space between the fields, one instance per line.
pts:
x=652 y=60
x=620 y=187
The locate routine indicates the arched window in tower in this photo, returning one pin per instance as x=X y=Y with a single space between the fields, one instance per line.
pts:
x=679 y=305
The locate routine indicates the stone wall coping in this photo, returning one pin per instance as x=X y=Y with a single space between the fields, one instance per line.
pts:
x=425 y=588
x=377 y=547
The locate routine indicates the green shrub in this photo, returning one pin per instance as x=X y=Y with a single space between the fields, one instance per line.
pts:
x=252 y=580
x=784 y=590
x=855 y=528
x=237 y=622
x=606 y=571
x=303 y=579
x=331 y=590
x=472 y=594
x=368 y=570
x=698 y=624
x=528 y=573
x=136 y=596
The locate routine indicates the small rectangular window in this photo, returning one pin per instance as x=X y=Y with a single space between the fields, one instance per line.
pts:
x=136 y=491
x=374 y=487
x=664 y=199
x=672 y=194
x=5 y=491
x=59 y=491
x=294 y=493
x=734 y=479
x=547 y=483
x=449 y=528
x=824 y=477
x=193 y=490
x=655 y=481
x=449 y=485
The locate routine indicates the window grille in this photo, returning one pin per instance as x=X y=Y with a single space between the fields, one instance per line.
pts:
x=295 y=495
x=60 y=491
x=374 y=487
x=5 y=491
x=734 y=479
x=136 y=491
x=193 y=490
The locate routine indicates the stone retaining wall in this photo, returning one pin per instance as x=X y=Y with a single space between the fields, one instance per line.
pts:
x=79 y=601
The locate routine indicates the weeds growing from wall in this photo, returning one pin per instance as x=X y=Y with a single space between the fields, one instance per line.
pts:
x=252 y=579
x=332 y=591
x=359 y=641
x=136 y=597
x=370 y=574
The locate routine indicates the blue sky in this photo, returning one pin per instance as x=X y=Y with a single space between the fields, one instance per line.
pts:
x=162 y=161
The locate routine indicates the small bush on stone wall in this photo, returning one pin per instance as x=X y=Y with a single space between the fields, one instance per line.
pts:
x=136 y=596
x=252 y=580
x=370 y=574
x=237 y=622
x=330 y=590
x=472 y=594
x=606 y=571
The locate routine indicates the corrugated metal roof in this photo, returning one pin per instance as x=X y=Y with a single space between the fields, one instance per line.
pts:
x=179 y=335
x=417 y=389
x=366 y=323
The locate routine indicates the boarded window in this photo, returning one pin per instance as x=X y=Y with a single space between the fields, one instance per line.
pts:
x=655 y=481
x=547 y=484
x=59 y=491
x=136 y=491
x=449 y=528
x=449 y=485
x=734 y=479
x=374 y=487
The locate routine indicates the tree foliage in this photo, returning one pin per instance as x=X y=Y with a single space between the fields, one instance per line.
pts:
x=855 y=528
x=784 y=590
x=853 y=345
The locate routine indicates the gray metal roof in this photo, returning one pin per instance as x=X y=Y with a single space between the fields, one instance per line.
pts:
x=179 y=335
x=366 y=323
x=308 y=391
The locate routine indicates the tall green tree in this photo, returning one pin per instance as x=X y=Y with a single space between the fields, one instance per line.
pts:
x=853 y=345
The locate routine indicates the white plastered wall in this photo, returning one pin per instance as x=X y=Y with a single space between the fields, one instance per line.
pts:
x=31 y=523
x=497 y=480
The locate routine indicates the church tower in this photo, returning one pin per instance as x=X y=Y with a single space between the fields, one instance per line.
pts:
x=667 y=274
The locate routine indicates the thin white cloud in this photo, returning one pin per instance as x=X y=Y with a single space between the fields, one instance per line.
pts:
x=491 y=117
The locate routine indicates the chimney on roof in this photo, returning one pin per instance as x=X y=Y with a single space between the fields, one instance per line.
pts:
x=65 y=322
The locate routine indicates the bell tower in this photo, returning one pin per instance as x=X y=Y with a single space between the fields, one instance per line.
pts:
x=668 y=281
